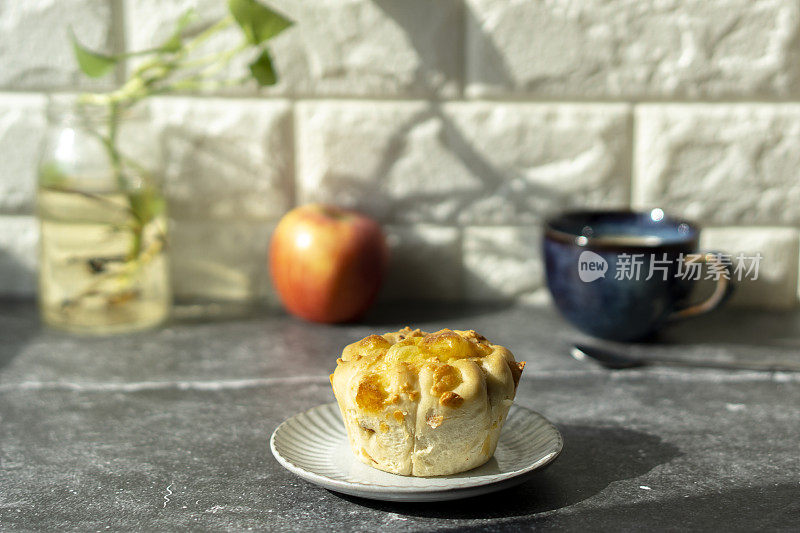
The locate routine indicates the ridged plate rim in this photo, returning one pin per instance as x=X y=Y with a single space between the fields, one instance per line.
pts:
x=437 y=488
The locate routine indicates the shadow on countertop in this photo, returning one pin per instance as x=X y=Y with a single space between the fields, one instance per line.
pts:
x=400 y=314
x=593 y=458
x=737 y=326
x=742 y=509
x=729 y=334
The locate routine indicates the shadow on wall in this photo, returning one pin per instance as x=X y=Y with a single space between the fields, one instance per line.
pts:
x=401 y=314
x=593 y=458
x=406 y=15
x=489 y=183
x=18 y=321
x=514 y=189
x=439 y=272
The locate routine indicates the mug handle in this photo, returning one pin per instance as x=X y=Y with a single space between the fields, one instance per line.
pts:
x=722 y=290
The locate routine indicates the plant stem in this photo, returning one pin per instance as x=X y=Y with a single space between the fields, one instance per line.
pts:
x=116 y=166
x=203 y=36
x=199 y=84
x=129 y=269
x=111 y=145
x=160 y=67
x=158 y=73
x=101 y=200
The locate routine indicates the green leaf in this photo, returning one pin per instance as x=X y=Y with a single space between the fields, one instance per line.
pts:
x=51 y=175
x=258 y=22
x=146 y=204
x=262 y=69
x=175 y=42
x=93 y=64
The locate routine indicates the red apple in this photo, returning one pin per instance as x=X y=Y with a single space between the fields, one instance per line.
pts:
x=327 y=263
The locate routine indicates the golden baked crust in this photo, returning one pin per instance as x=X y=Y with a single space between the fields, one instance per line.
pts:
x=425 y=404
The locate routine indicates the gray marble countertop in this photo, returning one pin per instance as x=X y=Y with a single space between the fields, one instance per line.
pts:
x=169 y=429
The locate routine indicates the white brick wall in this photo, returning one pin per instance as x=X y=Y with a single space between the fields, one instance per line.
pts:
x=459 y=124
x=22 y=127
x=775 y=283
x=633 y=48
x=462 y=163
x=224 y=260
x=225 y=159
x=341 y=47
x=724 y=164
x=35 y=52
x=503 y=263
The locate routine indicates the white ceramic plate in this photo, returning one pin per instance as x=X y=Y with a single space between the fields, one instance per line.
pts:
x=314 y=446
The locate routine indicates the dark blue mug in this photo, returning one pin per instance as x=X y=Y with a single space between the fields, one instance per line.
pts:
x=622 y=275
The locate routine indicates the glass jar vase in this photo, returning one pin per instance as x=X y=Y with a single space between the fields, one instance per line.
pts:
x=103 y=262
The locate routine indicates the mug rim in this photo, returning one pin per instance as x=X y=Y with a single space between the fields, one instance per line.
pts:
x=643 y=241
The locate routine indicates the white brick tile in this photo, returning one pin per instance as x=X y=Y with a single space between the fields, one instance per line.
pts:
x=776 y=284
x=19 y=238
x=504 y=263
x=425 y=263
x=22 y=128
x=225 y=261
x=150 y=22
x=339 y=47
x=35 y=51
x=721 y=164
x=628 y=48
x=226 y=158
x=474 y=163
